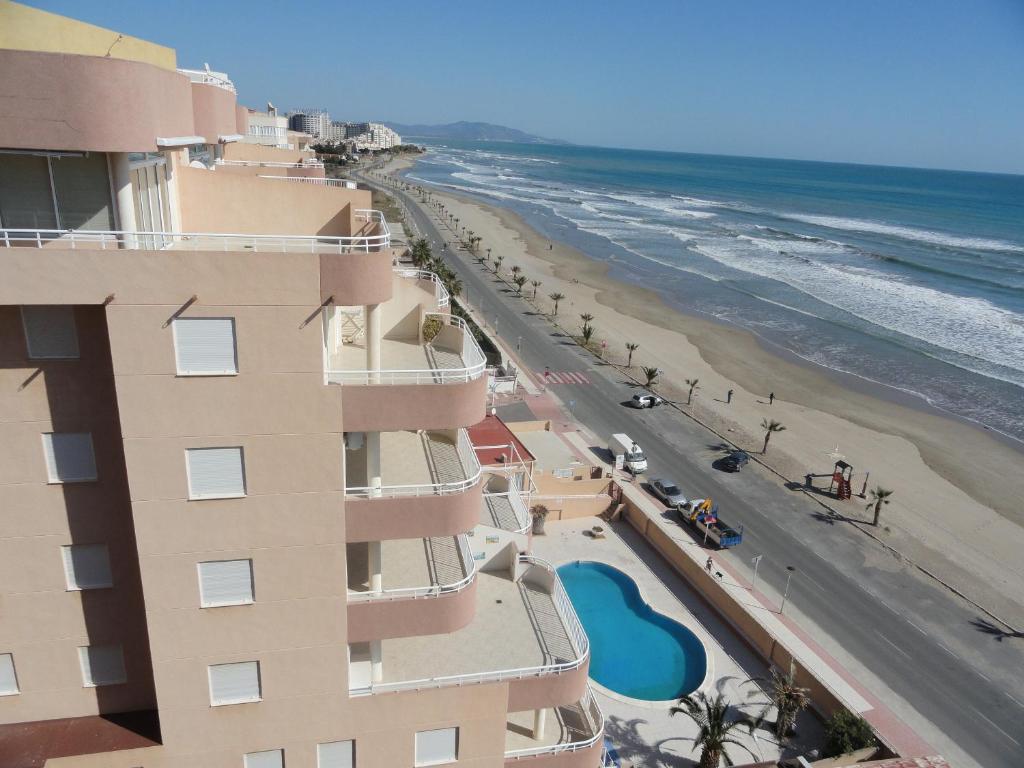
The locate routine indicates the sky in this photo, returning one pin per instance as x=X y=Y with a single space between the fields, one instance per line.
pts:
x=929 y=83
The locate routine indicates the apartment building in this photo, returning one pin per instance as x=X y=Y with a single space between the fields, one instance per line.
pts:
x=243 y=521
x=268 y=128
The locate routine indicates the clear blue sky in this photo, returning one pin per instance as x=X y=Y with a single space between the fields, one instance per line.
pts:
x=936 y=83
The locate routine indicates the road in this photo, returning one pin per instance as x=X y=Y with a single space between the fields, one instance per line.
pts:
x=897 y=630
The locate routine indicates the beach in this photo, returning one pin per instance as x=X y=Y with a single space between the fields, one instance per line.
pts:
x=956 y=509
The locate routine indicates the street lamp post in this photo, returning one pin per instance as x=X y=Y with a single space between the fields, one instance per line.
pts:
x=757 y=562
x=785 y=595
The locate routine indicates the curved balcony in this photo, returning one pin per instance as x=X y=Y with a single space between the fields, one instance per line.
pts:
x=430 y=486
x=505 y=508
x=573 y=734
x=427 y=588
x=525 y=632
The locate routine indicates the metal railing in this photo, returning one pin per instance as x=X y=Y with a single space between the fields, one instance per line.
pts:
x=595 y=722
x=473 y=362
x=470 y=465
x=440 y=292
x=269 y=163
x=515 y=500
x=569 y=619
x=193 y=241
x=435 y=590
x=315 y=180
x=371 y=215
x=206 y=77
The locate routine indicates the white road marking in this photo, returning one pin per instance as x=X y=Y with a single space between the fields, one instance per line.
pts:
x=946 y=650
x=917 y=627
x=1014 y=700
x=890 y=642
x=997 y=728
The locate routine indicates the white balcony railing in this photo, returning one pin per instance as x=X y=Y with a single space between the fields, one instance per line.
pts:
x=192 y=241
x=270 y=164
x=369 y=215
x=577 y=637
x=440 y=292
x=595 y=725
x=470 y=466
x=207 y=77
x=473 y=364
x=316 y=181
x=435 y=590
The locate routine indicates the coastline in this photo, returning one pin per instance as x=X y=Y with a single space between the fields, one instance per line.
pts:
x=956 y=507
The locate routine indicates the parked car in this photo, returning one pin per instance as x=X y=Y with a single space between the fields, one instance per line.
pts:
x=735 y=461
x=668 y=492
x=645 y=401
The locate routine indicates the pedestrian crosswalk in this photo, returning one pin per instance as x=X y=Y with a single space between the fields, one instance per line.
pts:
x=563 y=377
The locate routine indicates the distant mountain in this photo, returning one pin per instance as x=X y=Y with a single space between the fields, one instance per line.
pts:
x=470 y=132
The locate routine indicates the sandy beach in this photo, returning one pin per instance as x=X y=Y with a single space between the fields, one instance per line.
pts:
x=957 y=508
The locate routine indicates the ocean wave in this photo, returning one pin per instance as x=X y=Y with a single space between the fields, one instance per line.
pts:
x=905 y=233
x=662 y=204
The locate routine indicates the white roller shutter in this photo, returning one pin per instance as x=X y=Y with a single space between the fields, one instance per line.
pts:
x=215 y=473
x=272 y=758
x=205 y=346
x=225 y=582
x=235 y=683
x=336 y=754
x=69 y=456
x=87 y=566
x=437 y=746
x=8 y=678
x=101 y=665
x=50 y=332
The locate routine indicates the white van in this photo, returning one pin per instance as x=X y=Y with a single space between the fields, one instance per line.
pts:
x=633 y=457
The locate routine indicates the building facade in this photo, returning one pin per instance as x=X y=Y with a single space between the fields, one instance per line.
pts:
x=268 y=128
x=245 y=524
x=315 y=122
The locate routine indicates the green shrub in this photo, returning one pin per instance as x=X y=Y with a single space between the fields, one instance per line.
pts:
x=846 y=732
x=431 y=327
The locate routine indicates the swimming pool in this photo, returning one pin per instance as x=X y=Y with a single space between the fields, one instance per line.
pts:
x=634 y=650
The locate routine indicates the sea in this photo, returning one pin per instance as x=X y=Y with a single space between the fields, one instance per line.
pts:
x=911 y=279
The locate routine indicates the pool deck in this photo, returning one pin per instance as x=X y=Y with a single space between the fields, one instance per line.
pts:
x=645 y=732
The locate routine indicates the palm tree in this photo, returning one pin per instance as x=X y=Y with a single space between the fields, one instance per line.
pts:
x=711 y=715
x=632 y=348
x=651 y=374
x=769 y=427
x=587 y=331
x=536 y=284
x=556 y=297
x=692 y=384
x=788 y=698
x=497 y=263
x=586 y=317
x=520 y=281
x=879 y=496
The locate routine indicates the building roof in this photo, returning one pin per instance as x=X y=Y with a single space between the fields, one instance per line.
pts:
x=549 y=450
x=493 y=431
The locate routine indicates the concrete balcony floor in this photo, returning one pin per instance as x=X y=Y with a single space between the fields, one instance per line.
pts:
x=500 y=511
x=564 y=725
x=516 y=626
x=408 y=459
x=400 y=355
x=407 y=564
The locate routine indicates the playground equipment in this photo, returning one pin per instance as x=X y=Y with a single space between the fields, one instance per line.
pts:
x=702 y=514
x=841 y=475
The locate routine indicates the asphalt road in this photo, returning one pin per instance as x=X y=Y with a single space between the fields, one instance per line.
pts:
x=879 y=616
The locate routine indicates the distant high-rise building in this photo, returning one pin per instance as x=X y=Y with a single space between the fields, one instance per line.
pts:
x=316 y=122
x=268 y=128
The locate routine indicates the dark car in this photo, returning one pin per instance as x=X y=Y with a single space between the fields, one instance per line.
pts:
x=735 y=461
x=668 y=492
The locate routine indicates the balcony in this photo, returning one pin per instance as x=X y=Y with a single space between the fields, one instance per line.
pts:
x=309 y=163
x=525 y=632
x=77 y=239
x=315 y=180
x=426 y=588
x=503 y=506
x=429 y=486
x=573 y=732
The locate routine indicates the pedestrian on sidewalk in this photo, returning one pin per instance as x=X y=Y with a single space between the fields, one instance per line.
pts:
x=728 y=397
x=547 y=373
x=709 y=565
x=771 y=398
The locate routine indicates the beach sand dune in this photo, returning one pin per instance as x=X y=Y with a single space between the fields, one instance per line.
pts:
x=958 y=506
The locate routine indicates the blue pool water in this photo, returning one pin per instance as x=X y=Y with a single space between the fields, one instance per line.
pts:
x=634 y=650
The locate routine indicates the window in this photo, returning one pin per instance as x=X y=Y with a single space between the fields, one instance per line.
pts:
x=272 y=758
x=101 y=665
x=8 y=678
x=62 y=190
x=69 y=457
x=87 y=566
x=336 y=754
x=437 y=747
x=225 y=582
x=205 y=346
x=215 y=473
x=50 y=333
x=234 y=683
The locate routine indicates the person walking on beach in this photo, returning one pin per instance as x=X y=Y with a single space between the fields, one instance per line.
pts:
x=771 y=398
x=728 y=397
